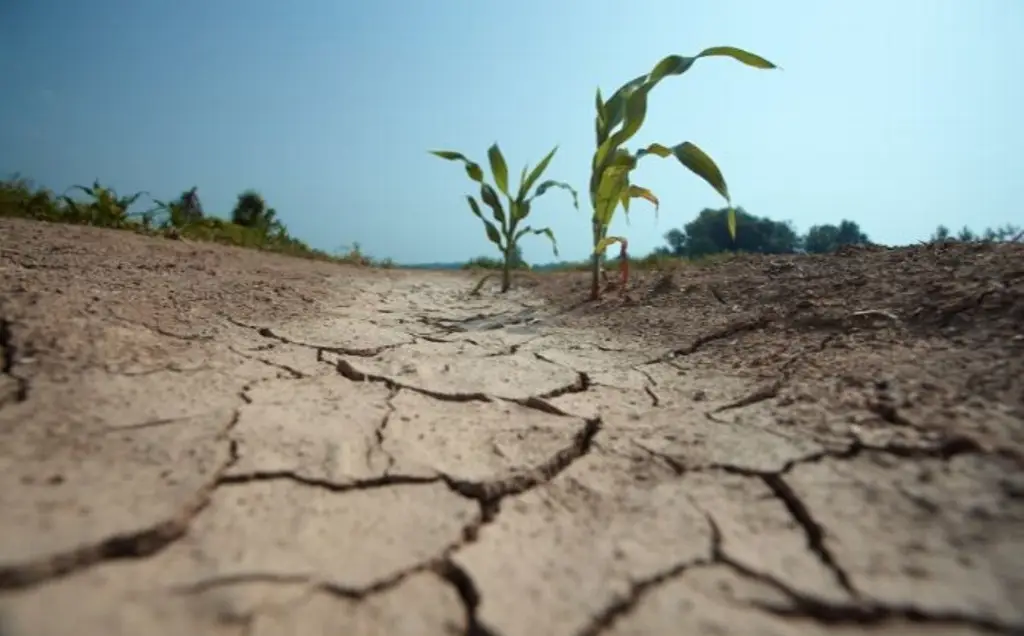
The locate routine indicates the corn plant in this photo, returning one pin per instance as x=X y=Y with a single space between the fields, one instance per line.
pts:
x=618 y=120
x=505 y=232
x=106 y=209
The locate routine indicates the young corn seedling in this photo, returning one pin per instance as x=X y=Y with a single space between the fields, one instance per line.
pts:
x=505 y=231
x=106 y=209
x=618 y=120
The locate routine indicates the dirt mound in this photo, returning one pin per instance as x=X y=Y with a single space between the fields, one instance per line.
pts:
x=919 y=335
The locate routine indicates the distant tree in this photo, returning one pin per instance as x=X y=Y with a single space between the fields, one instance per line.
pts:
x=486 y=262
x=190 y=204
x=251 y=211
x=708 y=234
x=941 y=234
x=1007 y=232
x=966 y=235
x=822 y=239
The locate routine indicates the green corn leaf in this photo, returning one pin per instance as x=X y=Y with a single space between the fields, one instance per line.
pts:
x=731 y=222
x=679 y=64
x=492 y=232
x=498 y=168
x=547 y=185
x=474 y=171
x=695 y=159
x=520 y=210
x=636 y=113
x=490 y=197
x=600 y=129
x=535 y=174
x=87 y=190
x=700 y=164
x=546 y=231
x=615 y=107
x=655 y=149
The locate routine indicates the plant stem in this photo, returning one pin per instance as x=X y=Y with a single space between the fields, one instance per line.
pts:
x=506 y=268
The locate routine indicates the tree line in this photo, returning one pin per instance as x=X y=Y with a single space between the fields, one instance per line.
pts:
x=708 y=234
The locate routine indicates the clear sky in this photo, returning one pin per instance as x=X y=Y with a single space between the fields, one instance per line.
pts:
x=899 y=114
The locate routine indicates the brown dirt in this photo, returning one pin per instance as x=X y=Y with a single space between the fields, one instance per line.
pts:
x=919 y=335
x=203 y=440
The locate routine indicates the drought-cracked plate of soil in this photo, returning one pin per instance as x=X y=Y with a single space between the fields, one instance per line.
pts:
x=206 y=440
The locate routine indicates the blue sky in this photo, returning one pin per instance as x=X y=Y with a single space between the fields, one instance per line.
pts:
x=899 y=115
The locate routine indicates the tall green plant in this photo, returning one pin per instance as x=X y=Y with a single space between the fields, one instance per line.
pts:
x=618 y=120
x=505 y=232
x=106 y=209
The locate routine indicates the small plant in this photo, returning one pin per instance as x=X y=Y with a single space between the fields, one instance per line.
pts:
x=507 y=233
x=106 y=209
x=612 y=164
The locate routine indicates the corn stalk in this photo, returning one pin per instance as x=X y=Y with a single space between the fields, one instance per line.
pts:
x=504 y=231
x=618 y=120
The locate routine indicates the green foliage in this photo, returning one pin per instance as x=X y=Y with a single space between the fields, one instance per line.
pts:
x=822 y=239
x=181 y=218
x=618 y=119
x=708 y=234
x=1008 y=232
x=487 y=262
x=505 y=231
x=104 y=206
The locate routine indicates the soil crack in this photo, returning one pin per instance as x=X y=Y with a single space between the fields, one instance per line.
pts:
x=8 y=360
x=522 y=481
x=134 y=545
x=814 y=532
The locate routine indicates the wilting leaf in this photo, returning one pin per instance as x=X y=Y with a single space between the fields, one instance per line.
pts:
x=547 y=185
x=607 y=242
x=490 y=197
x=475 y=172
x=701 y=165
x=546 y=231
x=492 y=232
x=637 y=192
x=609 y=193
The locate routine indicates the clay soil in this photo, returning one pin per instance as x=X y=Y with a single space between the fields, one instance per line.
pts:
x=203 y=440
x=920 y=336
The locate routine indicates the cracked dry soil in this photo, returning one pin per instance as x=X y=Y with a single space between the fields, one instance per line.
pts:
x=204 y=440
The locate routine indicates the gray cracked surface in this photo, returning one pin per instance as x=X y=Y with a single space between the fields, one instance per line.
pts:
x=410 y=461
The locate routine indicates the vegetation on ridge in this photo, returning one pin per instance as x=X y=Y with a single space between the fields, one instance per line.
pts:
x=253 y=224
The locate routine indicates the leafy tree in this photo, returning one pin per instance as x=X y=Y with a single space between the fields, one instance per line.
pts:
x=190 y=204
x=251 y=211
x=822 y=239
x=941 y=234
x=1007 y=232
x=708 y=234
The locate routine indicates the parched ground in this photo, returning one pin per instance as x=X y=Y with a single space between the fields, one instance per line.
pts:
x=203 y=440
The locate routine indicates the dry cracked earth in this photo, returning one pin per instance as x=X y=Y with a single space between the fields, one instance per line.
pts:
x=204 y=440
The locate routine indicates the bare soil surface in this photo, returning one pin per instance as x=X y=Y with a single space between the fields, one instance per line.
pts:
x=203 y=440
